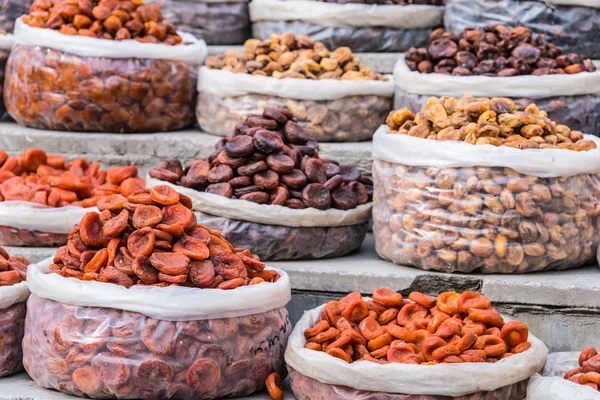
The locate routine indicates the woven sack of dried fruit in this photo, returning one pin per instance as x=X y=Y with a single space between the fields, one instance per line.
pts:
x=486 y=192
x=334 y=96
x=362 y=27
x=99 y=70
x=217 y=22
x=571 y=24
x=6 y=42
x=13 y=296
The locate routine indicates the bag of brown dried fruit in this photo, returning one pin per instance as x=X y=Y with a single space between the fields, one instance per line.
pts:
x=6 y=42
x=570 y=24
x=334 y=96
x=145 y=303
x=499 y=61
x=13 y=296
x=362 y=25
x=267 y=190
x=101 y=66
x=474 y=185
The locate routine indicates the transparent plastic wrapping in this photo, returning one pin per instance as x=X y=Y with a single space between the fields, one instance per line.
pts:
x=51 y=89
x=348 y=119
x=277 y=242
x=3 y=58
x=359 y=39
x=10 y=10
x=486 y=219
x=110 y=353
x=580 y=113
x=12 y=322
x=571 y=27
x=10 y=236
x=218 y=23
x=306 y=388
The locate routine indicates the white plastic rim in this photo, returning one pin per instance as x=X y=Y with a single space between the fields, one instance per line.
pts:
x=228 y=84
x=536 y=87
x=36 y=217
x=14 y=294
x=441 y=379
x=414 y=16
x=193 y=53
x=268 y=214
x=6 y=41
x=169 y=303
x=543 y=163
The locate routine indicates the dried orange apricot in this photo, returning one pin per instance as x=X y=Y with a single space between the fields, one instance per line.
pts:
x=90 y=229
x=514 y=333
x=388 y=298
x=146 y=215
x=422 y=299
x=164 y=195
x=490 y=317
x=141 y=242
x=472 y=300
x=447 y=302
x=193 y=248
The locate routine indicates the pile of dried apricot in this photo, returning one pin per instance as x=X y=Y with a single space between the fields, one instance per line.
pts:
x=12 y=270
x=151 y=238
x=450 y=328
x=49 y=180
x=588 y=372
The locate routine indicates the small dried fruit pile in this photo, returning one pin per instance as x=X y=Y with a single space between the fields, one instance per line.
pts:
x=45 y=179
x=588 y=372
x=270 y=160
x=105 y=19
x=495 y=50
x=12 y=271
x=151 y=238
x=480 y=120
x=450 y=328
x=288 y=56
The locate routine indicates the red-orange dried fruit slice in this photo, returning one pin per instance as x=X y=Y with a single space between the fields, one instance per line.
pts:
x=490 y=317
x=273 y=386
x=388 y=298
x=141 y=242
x=87 y=380
x=172 y=278
x=171 y=263
x=177 y=214
x=33 y=158
x=411 y=312
x=114 y=226
x=219 y=245
x=492 y=345
x=447 y=302
x=164 y=195
x=201 y=234
x=431 y=344
x=112 y=369
x=112 y=248
x=229 y=266
x=201 y=273
x=9 y=278
x=174 y=230
x=117 y=175
x=356 y=311
x=204 y=374
x=113 y=275
x=131 y=185
x=98 y=261
x=159 y=336
x=472 y=300
x=153 y=375
x=191 y=247
x=232 y=284
x=141 y=197
x=55 y=366
x=90 y=230
x=144 y=270
x=252 y=261
x=146 y=216
x=114 y=202
x=514 y=333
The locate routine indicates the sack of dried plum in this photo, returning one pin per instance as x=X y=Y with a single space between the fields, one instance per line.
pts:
x=334 y=96
x=497 y=61
x=363 y=26
x=570 y=24
x=13 y=295
x=387 y=348
x=472 y=184
x=218 y=22
x=100 y=69
x=267 y=190
x=6 y=42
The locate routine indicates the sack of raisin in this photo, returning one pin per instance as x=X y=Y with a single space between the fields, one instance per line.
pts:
x=499 y=61
x=474 y=185
x=145 y=303
x=363 y=25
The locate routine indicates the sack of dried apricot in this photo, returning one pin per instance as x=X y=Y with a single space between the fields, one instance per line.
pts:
x=334 y=96
x=472 y=184
x=363 y=25
x=42 y=196
x=6 y=42
x=454 y=346
x=145 y=303
x=93 y=66
x=13 y=295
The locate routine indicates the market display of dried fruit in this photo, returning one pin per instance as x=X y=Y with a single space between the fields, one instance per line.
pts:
x=495 y=50
x=13 y=270
x=480 y=120
x=151 y=238
x=270 y=159
x=450 y=328
x=588 y=372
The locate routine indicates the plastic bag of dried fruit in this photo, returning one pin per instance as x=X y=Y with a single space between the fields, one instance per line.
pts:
x=13 y=295
x=570 y=24
x=572 y=100
x=6 y=42
x=218 y=22
x=316 y=374
x=276 y=232
x=80 y=83
x=551 y=384
x=452 y=206
x=97 y=339
x=362 y=27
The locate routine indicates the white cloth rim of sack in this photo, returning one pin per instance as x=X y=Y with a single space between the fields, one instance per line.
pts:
x=536 y=87
x=415 y=16
x=84 y=46
x=169 y=303
x=268 y=214
x=543 y=163
x=550 y=385
x=6 y=41
x=441 y=379
x=36 y=217
x=228 y=84
x=574 y=3
x=14 y=294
